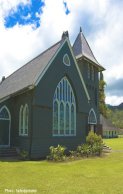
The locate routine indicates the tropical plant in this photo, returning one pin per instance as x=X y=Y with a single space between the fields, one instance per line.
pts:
x=24 y=154
x=57 y=153
x=83 y=150
x=95 y=143
x=102 y=105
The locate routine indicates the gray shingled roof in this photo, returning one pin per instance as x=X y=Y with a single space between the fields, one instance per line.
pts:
x=81 y=48
x=28 y=74
x=107 y=124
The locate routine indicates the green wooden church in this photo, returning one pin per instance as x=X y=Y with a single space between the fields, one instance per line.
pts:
x=51 y=100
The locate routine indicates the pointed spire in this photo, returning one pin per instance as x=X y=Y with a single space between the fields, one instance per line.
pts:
x=82 y=48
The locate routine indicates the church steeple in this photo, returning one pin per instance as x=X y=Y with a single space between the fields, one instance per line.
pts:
x=81 y=48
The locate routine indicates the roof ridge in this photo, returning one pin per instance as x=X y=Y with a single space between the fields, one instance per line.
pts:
x=81 y=40
x=31 y=60
x=90 y=48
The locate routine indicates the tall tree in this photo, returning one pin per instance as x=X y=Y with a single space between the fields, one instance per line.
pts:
x=102 y=105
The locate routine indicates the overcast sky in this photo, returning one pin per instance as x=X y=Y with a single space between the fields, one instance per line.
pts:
x=27 y=27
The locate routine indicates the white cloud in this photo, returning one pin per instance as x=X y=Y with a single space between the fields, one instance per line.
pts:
x=21 y=43
x=114 y=100
x=7 y=5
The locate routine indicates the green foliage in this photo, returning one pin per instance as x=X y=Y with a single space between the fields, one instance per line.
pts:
x=93 y=146
x=96 y=149
x=57 y=153
x=93 y=138
x=116 y=117
x=83 y=150
x=102 y=105
x=24 y=154
x=73 y=154
x=95 y=143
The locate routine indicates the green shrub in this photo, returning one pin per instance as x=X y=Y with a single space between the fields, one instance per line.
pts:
x=95 y=142
x=93 y=138
x=92 y=147
x=83 y=150
x=73 y=154
x=57 y=153
x=96 y=149
x=24 y=155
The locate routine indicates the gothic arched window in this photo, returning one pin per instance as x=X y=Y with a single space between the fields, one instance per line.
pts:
x=23 y=120
x=64 y=110
x=92 y=117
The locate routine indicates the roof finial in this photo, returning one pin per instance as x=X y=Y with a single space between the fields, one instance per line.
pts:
x=65 y=35
x=3 y=78
x=80 y=29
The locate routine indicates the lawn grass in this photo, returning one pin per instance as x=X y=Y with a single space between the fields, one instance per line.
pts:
x=102 y=175
x=116 y=144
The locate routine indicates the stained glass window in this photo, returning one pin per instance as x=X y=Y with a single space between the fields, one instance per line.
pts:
x=25 y=117
x=55 y=118
x=23 y=120
x=72 y=119
x=4 y=114
x=67 y=119
x=64 y=110
x=61 y=118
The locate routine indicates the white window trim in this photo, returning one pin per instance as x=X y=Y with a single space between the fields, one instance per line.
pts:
x=23 y=110
x=20 y=119
x=64 y=104
x=24 y=119
x=92 y=110
x=66 y=55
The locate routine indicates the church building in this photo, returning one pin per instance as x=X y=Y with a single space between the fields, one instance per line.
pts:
x=51 y=100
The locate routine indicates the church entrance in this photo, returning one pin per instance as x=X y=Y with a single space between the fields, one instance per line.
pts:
x=5 y=121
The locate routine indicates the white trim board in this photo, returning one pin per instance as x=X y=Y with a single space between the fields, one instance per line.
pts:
x=81 y=77
x=50 y=62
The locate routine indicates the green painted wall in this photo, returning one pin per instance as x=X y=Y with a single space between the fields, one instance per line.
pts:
x=4 y=131
x=92 y=85
x=22 y=142
x=43 y=107
x=40 y=103
x=14 y=104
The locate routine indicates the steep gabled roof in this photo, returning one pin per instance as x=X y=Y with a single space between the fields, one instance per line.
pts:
x=81 y=48
x=27 y=75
